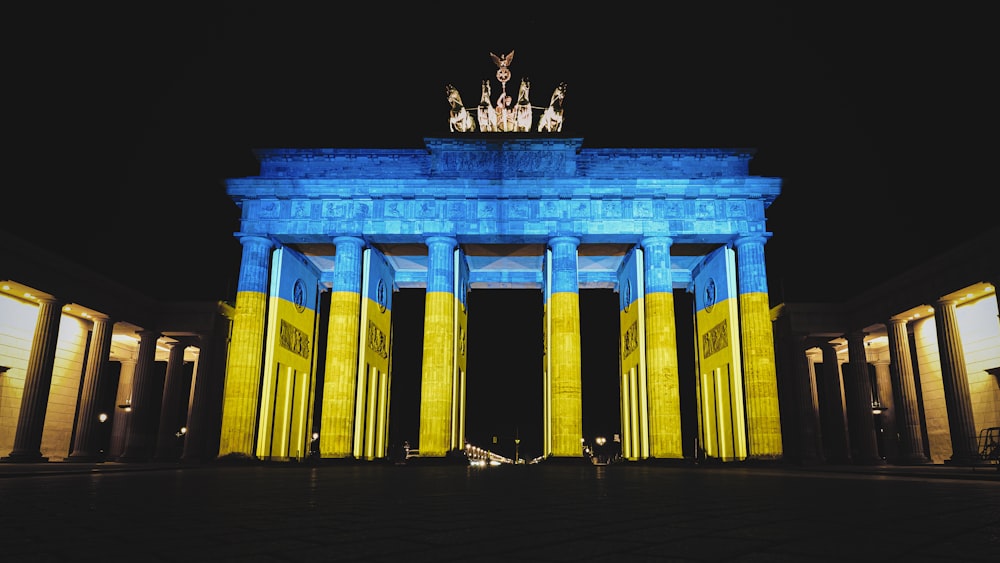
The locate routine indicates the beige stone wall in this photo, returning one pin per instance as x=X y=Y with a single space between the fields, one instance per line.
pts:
x=17 y=329
x=981 y=342
x=980 y=331
x=17 y=326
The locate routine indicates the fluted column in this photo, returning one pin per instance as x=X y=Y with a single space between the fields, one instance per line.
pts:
x=885 y=421
x=141 y=432
x=173 y=405
x=565 y=376
x=37 y=384
x=858 y=391
x=240 y=403
x=957 y=398
x=904 y=391
x=341 y=376
x=807 y=412
x=123 y=409
x=438 y=364
x=202 y=398
x=759 y=370
x=810 y=358
x=662 y=368
x=832 y=408
x=85 y=441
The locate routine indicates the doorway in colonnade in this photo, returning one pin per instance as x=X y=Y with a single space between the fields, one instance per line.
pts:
x=504 y=387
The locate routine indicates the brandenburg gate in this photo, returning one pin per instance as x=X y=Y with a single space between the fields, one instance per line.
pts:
x=489 y=207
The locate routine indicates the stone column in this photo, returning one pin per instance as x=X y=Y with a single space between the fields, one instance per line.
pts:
x=438 y=365
x=123 y=409
x=340 y=380
x=904 y=391
x=240 y=404
x=662 y=377
x=957 y=397
x=813 y=400
x=37 y=384
x=85 y=442
x=885 y=429
x=141 y=432
x=858 y=391
x=201 y=400
x=565 y=376
x=759 y=371
x=832 y=408
x=173 y=405
x=806 y=409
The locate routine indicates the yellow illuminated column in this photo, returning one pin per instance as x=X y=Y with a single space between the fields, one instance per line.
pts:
x=246 y=352
x=665 y=439
x=566 y=412
x=438 y=369
x=340 y=381
x=759 y=372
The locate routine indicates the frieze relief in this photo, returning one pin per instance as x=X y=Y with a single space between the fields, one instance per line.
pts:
x=509 y=163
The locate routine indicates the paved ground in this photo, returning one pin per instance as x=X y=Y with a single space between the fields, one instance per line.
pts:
x=374 y=512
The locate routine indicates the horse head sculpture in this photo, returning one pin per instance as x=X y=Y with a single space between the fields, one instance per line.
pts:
x=552 y=119
x=460 y=119
x=485 y=112
x=522 y=109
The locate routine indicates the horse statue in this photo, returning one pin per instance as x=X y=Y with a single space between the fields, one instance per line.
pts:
x=522 y=109
x=552 y=118
x=460 y=120
x=487 y=115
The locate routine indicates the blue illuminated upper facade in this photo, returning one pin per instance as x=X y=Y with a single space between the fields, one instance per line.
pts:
x=513 y=191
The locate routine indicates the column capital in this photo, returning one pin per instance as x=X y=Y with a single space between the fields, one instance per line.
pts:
x=746 y=239
x=349 y=239
x=656 y=239
x=441 y=239
x=563 y=239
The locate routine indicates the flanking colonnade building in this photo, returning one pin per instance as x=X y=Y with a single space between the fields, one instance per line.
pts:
x=510 y=211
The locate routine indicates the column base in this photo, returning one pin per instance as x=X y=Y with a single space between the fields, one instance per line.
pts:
x=20 y=457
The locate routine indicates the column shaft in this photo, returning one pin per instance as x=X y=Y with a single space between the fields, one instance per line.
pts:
x=123 y=409
x=37 y=384
x=204 y=400
x=141 y=433
x=858 y=390
x=85 y=441
x=807 y=417
x=662 y=378
x=756 y=334
x=340 y=381
x=565 y=375
x=832 y=408
x=173 y=406
x=911 y=438
x=957 y=397
x=241 y=401
x=438 y=365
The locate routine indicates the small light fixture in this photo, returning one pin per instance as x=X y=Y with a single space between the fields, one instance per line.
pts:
x=103 y=417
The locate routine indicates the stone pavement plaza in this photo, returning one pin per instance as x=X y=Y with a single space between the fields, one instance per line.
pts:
x=546 y=512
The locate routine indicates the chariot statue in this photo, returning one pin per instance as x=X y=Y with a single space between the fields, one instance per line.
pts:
x=506 y=114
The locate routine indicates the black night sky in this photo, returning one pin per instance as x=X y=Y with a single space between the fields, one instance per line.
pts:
x=124 y=118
